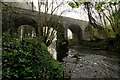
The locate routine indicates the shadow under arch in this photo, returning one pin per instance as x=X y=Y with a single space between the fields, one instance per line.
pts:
x=25 y=21
x=77 y=34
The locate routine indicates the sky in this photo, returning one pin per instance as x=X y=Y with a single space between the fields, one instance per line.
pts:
x=77 y=13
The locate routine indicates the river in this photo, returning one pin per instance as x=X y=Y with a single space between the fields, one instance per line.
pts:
x=87 y=63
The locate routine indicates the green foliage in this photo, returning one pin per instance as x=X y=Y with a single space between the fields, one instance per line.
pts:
x=98 y=7
x=28 y=59
x=70 y=42
x=112 y=17
x=7 y=15
x=110 y=21
x=96 y=44
x=76 y=4
x=71 y=4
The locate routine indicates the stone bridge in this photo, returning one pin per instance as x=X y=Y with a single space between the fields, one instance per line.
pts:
x=34 y=18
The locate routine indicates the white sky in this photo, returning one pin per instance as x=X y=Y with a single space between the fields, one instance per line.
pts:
x=77 y=13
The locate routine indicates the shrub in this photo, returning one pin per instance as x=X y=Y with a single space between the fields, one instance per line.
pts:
x=28 y=59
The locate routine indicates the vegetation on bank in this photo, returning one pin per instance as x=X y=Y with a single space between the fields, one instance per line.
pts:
x=106 y=23
x=113 y=45
x=28 y=59
x=99 y=44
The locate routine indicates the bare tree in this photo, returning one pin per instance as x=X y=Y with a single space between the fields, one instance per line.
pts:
x=48 y=25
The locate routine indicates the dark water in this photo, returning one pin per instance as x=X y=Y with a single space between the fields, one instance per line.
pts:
x=86 y=63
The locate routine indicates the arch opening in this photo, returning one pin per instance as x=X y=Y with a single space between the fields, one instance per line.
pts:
x=76 y=34
x=69 y=34
x=26 y=31
x=25 y=21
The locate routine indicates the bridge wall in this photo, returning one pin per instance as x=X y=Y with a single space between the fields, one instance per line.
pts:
x=64 y=21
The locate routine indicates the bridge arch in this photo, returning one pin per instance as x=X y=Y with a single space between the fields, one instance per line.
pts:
x=77 y=33
x=23 y=20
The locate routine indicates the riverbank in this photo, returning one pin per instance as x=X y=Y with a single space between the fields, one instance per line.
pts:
x=28 y=59
x=99 y=45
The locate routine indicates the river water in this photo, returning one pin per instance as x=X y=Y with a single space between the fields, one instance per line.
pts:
x=86 y=63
